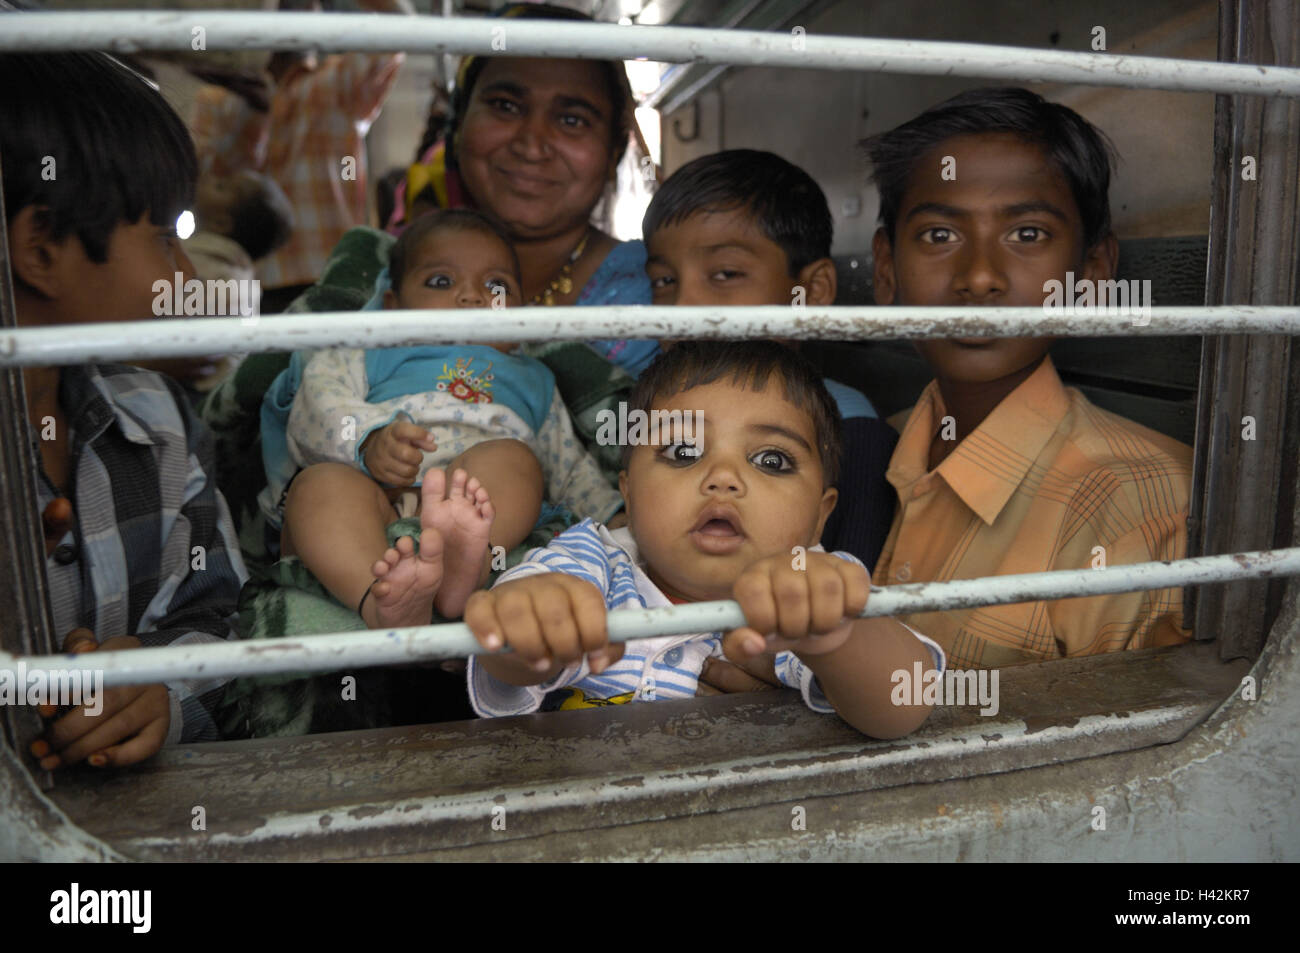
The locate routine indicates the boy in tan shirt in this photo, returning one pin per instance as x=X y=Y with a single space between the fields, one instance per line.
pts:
x=1000 y=469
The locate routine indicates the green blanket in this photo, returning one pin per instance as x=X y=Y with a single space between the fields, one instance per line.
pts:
x=290 y=602
x=282 y=598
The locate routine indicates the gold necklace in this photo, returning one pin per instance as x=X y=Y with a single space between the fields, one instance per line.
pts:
x=563 y=281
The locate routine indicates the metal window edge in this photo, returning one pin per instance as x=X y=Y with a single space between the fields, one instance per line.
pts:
x=1215 y=795
x=51 y=834
x=1214 y=784
x=34 y=828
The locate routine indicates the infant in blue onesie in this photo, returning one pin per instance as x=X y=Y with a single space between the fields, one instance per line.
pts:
x=482 y=433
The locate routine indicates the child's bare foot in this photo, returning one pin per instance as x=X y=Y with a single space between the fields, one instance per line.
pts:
x=463 y=520
x=405 y=584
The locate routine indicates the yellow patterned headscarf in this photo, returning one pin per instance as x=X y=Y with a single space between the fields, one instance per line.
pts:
x=422 y=175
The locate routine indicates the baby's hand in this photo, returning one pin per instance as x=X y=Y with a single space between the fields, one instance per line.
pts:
x=392 y=454
x=808 y=610
x=549 y=621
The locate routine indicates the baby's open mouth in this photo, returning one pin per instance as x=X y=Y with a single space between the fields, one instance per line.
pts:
x=720 y=522
x=718 y=528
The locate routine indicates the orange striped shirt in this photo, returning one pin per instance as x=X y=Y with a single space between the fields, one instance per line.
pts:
x=1047 y=481
x=312 y=142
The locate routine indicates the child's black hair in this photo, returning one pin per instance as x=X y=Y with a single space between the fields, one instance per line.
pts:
x=1079 y=149
x=87 y=138
x=752 y=365
x=456 y=219
x=262 y=219
x=788 y=206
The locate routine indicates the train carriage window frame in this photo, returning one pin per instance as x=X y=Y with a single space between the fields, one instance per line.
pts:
x=733 y=776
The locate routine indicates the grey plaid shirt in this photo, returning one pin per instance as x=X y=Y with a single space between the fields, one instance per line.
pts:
x=152 y=552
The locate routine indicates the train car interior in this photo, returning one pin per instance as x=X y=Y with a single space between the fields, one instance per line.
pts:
x=1188 y=751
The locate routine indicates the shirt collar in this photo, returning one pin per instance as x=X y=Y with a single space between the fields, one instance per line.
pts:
x=985 y=469
x=88 y=400
x=651 y=595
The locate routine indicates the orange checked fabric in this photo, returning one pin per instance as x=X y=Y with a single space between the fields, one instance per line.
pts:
x=318 y=119
x=1043 y=481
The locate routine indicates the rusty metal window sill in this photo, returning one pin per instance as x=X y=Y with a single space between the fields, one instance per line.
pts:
x=404 y=791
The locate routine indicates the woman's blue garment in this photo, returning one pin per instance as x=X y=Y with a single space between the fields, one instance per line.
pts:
x=621 y=279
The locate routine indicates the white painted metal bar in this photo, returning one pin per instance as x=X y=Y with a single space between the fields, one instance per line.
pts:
x=322 y=653
x=130 y=32
x=180 y=337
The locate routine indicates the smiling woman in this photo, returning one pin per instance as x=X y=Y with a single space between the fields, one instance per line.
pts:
x=535 y=143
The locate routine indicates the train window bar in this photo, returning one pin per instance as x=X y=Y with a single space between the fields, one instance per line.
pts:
x=1270 y=311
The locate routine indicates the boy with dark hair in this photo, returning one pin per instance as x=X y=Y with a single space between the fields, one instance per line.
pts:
x=744 y=227
x=139 y=544
x=985 y=200
x=782 y=200
x=733 y=510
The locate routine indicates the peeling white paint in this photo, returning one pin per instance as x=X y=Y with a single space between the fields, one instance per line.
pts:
x=825 y=764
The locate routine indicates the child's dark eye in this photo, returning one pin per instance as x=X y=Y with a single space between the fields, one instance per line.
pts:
x=1030 y=234
x=504 y=105
x=772 y=460
x=726 y=274
x=496 y=284
x=661 y=282
x=574 y=121
x=937 y=236
x=680 y=454
x=438 y=281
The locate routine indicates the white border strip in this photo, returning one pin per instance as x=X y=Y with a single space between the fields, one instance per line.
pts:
x=132 y=31
x=323 y=653
x=184 y=337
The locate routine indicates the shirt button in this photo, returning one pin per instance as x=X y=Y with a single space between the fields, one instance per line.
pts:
x=904 y=572
x=65 y=554
x=648 y=689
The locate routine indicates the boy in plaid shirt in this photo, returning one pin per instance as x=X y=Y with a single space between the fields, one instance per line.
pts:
x=140 y=548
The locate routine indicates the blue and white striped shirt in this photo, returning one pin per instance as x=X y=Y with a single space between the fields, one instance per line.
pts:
x=651 y=669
